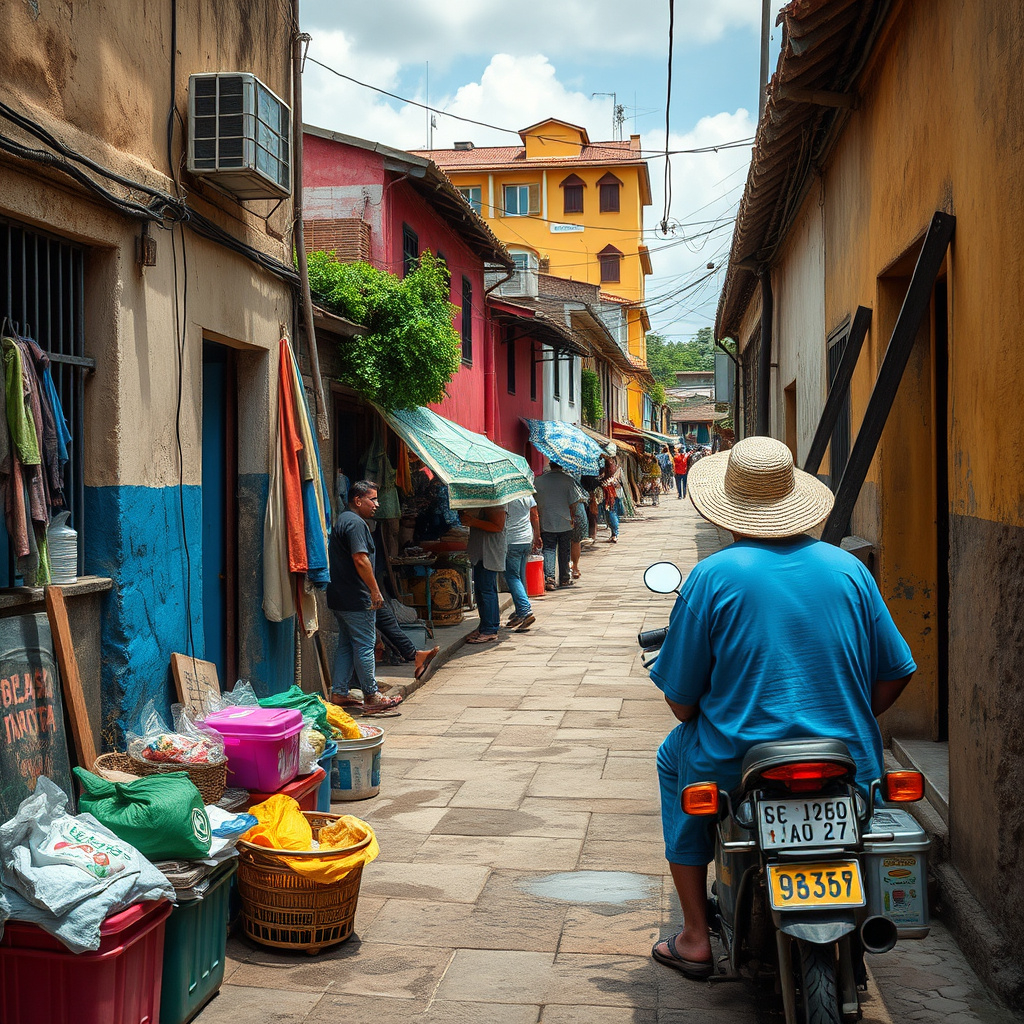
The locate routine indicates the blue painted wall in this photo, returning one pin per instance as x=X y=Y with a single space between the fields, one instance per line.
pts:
x=135 y=538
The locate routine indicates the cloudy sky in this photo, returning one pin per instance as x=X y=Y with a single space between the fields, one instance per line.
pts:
x=513 y=65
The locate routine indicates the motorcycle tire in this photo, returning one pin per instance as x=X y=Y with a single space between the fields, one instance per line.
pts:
x=819 y=987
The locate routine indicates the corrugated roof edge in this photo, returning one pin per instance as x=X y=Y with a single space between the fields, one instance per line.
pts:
x=793 y=132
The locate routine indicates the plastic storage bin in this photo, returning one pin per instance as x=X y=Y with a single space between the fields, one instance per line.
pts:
x=304 y=790
x=535 y=575
x=326 y=761
x=195 y=943
x=897 y=872
x=119 y=983
x=262 y=745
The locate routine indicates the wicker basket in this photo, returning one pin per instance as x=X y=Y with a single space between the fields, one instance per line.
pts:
x=114 y=763
x=288 y=911
x=210 y=779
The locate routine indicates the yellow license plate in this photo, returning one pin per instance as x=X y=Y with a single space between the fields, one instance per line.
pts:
x=836 y=883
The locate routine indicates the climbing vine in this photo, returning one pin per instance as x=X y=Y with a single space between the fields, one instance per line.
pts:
x=590 y=392
x=410 y=350
x=657 y=392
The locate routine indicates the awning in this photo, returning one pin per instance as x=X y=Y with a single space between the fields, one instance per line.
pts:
x=604 y=440
x=567 y=445
x=477 y=471
x=660 y=438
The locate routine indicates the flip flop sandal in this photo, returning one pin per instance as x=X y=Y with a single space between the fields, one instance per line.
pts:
x=472 y=636
x=418 y=674
x=484 y=638
x=697 y=970
x=526 y=623
x=346 y=702
x=381 y=706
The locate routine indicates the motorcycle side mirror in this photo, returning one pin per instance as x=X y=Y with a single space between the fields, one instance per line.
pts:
x=663 y=578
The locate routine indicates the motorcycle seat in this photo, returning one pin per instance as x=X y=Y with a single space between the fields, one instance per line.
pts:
x=762 y=756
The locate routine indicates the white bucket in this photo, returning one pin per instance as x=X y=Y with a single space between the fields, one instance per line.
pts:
x=355 y=770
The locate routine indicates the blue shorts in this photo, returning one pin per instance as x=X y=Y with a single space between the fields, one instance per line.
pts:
x=689 y=840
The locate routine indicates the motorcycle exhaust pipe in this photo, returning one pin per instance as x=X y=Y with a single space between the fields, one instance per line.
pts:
x=878 y=934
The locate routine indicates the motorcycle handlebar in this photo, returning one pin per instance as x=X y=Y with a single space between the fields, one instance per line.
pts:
x=652 y=638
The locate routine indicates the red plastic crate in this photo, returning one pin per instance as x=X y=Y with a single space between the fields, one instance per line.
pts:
x=43 y=982
x=303 y=789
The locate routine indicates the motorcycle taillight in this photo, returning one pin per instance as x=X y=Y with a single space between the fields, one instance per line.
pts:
x=805 y=776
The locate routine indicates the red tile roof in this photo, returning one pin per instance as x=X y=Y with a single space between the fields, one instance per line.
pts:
x=597 y=154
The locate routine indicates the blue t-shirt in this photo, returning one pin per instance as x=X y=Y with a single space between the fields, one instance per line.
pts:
x=776 y=640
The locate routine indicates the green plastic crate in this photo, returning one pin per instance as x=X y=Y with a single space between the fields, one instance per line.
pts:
x=195 y=944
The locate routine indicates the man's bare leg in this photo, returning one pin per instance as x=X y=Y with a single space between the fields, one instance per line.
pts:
x=691 y=883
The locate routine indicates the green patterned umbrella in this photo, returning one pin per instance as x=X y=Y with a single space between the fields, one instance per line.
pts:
x=477 y=471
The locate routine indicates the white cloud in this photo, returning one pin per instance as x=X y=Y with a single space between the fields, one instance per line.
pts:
x=518 y=91
x=413 y=31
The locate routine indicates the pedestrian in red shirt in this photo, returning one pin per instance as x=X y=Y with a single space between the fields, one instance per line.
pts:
x=680 y=464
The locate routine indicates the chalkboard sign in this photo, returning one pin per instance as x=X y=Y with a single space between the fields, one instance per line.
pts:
x=32 y=737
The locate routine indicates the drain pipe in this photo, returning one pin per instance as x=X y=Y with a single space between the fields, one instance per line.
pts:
x=764 y=366
x=323 y=423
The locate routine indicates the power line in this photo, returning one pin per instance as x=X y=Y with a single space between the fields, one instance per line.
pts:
x=668 y=107
x=731 y=144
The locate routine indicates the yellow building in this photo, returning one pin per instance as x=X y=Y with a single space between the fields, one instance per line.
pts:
x=570 y=208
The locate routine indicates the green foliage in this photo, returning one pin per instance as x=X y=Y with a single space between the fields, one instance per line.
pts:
x=590 y=392
x=657 y=392
x=665 y=357
x=411 y=350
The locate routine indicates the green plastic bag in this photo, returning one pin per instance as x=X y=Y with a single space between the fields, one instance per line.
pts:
x=308 y=704
x=162 y=816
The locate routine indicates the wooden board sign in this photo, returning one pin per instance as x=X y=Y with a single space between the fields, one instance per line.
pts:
x=33 y=741
x=196 y=682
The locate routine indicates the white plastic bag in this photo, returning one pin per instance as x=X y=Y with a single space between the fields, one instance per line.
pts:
x=188 y=743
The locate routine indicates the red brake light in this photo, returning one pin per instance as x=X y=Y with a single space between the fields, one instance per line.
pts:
x=904 y=787
x=806 y=776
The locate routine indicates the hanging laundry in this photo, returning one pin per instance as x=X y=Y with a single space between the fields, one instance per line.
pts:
x=291 y=447
x=56 y=435
x=380 y=470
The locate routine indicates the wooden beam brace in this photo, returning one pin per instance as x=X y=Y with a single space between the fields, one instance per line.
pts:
x=908 y=323
x=839 y=388
x=818 y=97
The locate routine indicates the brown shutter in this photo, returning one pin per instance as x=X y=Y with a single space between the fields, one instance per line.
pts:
x=535 y=199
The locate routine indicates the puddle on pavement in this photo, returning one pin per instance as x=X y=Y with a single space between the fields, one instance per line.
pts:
x=612 y=888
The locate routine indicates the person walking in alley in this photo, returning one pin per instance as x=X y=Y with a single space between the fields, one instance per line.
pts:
x=665 y=462
x=777 y=636
x=680 y=465
x=611 y=481
x=556 y=495
x=354 y=597
x=486 y=549
x=580 y=529
x=389 y=628
x=522 y=536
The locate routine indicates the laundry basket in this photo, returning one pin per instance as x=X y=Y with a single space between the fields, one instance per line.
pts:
x=288 y=911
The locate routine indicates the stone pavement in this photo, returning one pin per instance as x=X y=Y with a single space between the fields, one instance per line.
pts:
x=521 y=876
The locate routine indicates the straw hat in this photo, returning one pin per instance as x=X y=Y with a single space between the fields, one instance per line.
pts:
x=754 y=489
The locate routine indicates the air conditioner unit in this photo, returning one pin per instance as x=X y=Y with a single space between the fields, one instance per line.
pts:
x=239 y=135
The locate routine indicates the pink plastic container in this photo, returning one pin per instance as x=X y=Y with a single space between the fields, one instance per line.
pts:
x=41 y=980
x=262 y=745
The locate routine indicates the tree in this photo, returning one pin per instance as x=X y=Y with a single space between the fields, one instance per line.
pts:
x=666 y=357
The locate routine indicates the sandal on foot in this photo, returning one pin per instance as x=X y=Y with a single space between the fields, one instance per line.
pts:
x=380 y=705
x=345 y=701
x=698 y=970
x=526 y=623
x=484 y=638
x=422 y=666
x=513 y=622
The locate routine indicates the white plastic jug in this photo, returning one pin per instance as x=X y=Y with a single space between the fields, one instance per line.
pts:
x=63 y=545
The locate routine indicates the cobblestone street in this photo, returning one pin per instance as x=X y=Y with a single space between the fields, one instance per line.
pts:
x=521 y=876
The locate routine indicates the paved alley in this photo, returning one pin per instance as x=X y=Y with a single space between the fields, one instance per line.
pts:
x=521 y=876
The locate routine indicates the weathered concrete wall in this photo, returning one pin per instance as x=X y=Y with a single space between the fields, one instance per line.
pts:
x=101 y=83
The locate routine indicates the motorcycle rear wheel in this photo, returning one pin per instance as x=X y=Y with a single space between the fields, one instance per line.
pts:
x=819 y=989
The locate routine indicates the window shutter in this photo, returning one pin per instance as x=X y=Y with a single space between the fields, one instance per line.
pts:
x=534 y=199
x=572 y=199
x=609 y=198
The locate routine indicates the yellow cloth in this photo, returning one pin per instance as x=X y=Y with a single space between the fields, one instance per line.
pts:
x=282 y=826
x=342 y=724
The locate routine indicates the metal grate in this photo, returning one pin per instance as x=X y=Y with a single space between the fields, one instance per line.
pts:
x=42 y=287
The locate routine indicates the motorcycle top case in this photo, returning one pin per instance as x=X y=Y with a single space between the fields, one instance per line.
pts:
x=896 y=873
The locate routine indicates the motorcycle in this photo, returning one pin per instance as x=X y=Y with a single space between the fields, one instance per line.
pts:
x=810 y=872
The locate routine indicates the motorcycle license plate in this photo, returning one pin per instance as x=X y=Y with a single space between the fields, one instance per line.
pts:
x=825 y=821
x=834 y=883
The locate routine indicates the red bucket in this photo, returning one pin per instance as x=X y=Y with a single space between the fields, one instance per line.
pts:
x=535 y=575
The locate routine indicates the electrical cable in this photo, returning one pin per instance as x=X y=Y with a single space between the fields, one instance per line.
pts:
x=732 y=144
x=668 y=108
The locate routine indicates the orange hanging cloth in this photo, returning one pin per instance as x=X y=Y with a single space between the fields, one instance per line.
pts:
x=291 y=446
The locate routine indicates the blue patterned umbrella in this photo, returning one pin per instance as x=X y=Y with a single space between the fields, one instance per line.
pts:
x=567 y=445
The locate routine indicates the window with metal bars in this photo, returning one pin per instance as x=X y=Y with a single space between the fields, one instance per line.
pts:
x=467 y=320
x=42 y=296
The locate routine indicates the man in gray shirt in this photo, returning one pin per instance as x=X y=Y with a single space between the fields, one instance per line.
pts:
x=556 y=494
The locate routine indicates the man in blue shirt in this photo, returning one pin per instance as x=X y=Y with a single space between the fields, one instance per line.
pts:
x=775 y=637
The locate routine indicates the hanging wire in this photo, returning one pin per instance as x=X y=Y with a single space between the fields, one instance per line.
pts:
x=668 y=107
